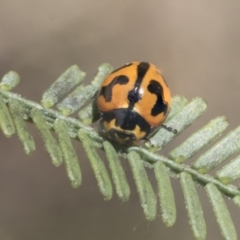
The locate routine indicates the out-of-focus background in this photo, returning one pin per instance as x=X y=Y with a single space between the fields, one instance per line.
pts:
x=196 y=46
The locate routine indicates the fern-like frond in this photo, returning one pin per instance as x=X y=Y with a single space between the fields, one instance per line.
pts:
x=68 y=95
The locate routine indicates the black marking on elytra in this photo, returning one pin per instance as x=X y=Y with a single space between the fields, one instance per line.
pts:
x=106 y=91
x=160 y=106
x=126 y=119
x=124 y=66
x=134 y=95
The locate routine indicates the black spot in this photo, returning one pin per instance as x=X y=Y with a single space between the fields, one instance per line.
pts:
x=159 y=107
x=142 y=68
x=106 y=91
x=126 y=119
x=134 y=95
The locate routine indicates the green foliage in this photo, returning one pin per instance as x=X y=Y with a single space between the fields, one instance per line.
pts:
x=193 y=206
x=118 y=174
x=221 y=212
x=144 y=187
x=166 y=195
x=98 y=166
x=68 y=95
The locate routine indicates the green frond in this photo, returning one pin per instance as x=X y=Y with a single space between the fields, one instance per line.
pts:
x=98 y=166
x=9 y=81
x=6 y=122
x=50 y=142
x=22 y=130
x=68 y=94
x=199 y=140
x=230 y=171
x=66 y=82
x=221 y=212
x=69 y=154
x=118 y=174
x=222 y=150
x=144 y=187
x=193 y=205
x=166 y=195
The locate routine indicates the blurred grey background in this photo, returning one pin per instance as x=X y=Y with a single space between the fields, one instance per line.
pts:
x=196 y=46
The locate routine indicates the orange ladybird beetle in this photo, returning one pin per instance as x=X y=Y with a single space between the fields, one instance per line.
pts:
x=133 y=102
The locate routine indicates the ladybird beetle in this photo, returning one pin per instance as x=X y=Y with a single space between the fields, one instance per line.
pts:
x=133 y=102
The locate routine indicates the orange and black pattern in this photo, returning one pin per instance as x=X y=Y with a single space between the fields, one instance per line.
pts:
x=133 y=100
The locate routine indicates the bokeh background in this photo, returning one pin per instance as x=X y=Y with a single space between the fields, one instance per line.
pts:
x=196 y=46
